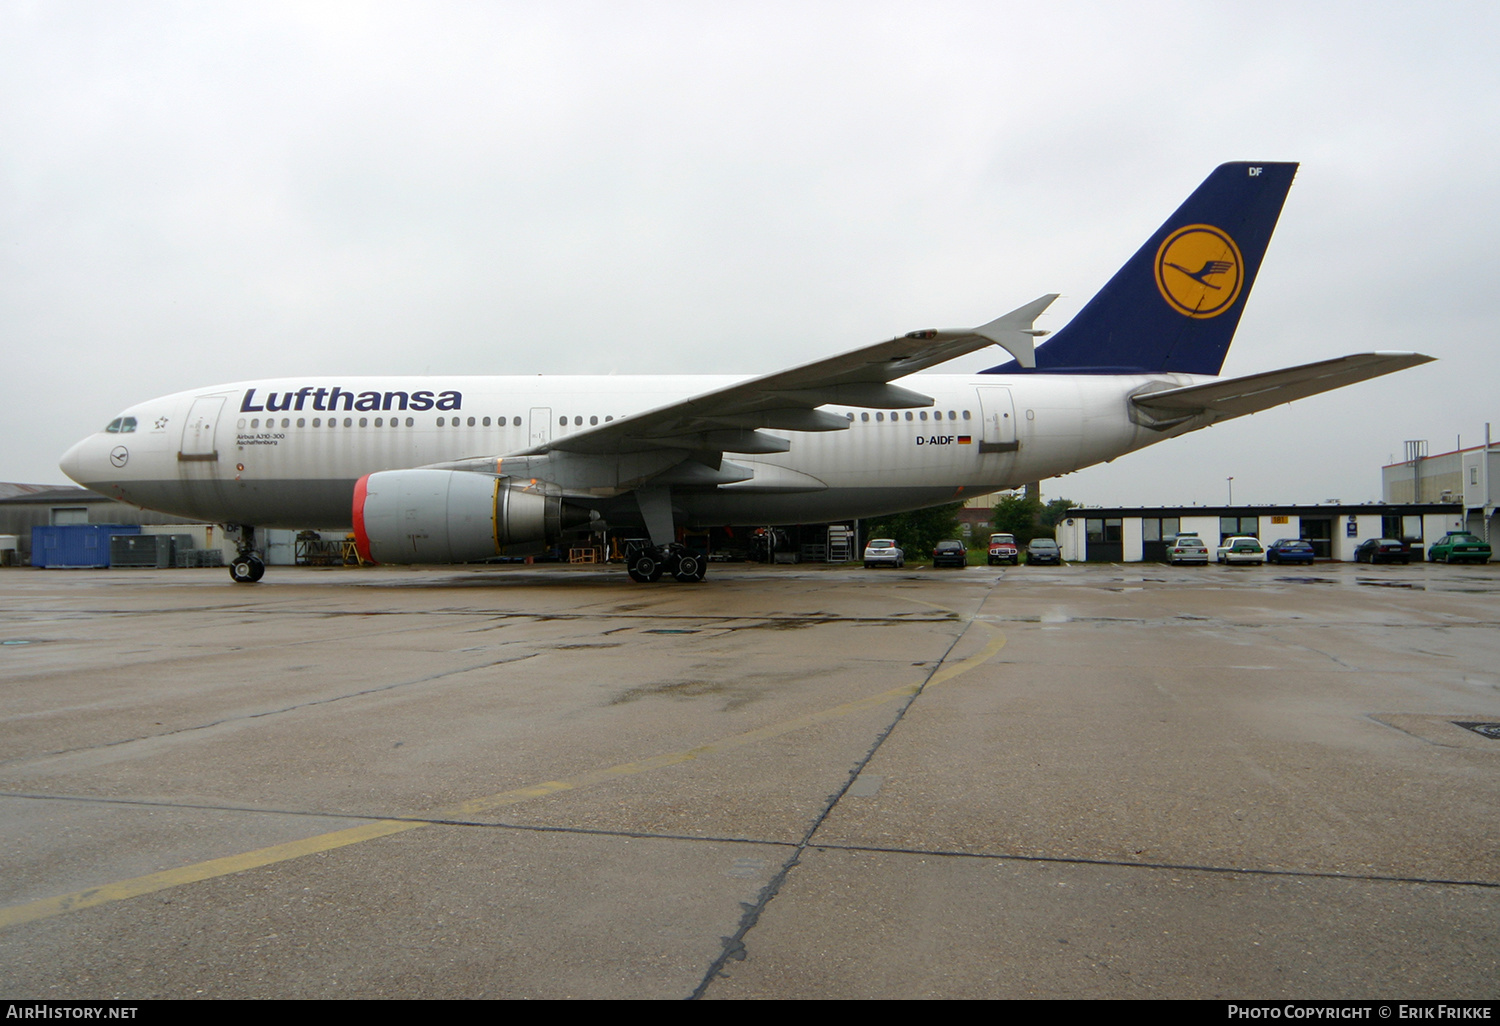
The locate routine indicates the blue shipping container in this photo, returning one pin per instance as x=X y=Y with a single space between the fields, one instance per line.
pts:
x=75 y=545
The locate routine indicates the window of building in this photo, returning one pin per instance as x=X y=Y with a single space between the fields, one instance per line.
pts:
x=1104 y=529
x=1248 y=527
x=1406 y=528
x=1160 y=528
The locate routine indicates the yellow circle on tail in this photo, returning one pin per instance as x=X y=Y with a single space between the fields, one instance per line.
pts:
x=1199 y=270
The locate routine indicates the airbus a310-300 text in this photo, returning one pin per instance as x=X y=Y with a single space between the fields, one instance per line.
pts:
x=461 y=469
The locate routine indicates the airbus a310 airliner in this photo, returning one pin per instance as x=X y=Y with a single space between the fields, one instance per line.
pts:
x=460 y=469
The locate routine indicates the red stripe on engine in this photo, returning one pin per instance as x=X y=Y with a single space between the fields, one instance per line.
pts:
x=361 y=540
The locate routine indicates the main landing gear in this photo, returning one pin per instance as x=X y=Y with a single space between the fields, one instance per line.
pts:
x=648 y=564
x=247 y=567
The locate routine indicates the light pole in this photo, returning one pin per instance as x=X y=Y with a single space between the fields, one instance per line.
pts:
x=1231 y=490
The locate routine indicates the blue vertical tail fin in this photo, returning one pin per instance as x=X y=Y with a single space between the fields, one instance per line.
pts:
x=1174 y=306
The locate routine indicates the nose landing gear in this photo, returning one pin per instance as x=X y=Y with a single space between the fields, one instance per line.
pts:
x=247 y=567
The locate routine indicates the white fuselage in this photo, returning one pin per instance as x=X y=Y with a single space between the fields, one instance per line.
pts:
x=287 y=452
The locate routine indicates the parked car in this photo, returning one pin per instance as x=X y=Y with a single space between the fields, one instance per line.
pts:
x=1003 y=549
x=1382 y=550
x=1459 y=547
x=883 y=552
x=1241 y=549
x=1290 y=550
x=950 y=553
x=1043 y=550
x=1187 y=548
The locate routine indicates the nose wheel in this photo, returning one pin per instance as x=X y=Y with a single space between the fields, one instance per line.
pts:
x=247 y=569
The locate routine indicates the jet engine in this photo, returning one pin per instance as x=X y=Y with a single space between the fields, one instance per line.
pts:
x=451 y=516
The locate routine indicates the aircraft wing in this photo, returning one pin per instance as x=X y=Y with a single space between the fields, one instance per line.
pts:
x=726 y=419
x=1236 y=397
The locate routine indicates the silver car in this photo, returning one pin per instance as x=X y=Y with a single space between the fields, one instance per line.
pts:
x=1187 y=548
x=883 y=552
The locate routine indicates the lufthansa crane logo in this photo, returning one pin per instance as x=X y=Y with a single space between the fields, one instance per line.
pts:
x=1199 y=271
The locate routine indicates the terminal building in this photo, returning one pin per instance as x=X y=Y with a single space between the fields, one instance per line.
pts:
x=1133 y=535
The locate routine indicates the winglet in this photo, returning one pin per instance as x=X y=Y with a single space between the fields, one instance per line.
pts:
x=1013 y=331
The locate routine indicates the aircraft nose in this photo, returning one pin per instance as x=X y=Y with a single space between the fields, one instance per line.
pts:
x=72 y=461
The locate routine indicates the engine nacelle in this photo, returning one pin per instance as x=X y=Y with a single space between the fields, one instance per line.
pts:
x=451 y=516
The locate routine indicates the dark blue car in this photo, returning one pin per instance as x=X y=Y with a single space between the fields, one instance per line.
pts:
x=1290 y=550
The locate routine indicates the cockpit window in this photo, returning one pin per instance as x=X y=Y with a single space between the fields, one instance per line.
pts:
x=114 y=426
x=127 y=424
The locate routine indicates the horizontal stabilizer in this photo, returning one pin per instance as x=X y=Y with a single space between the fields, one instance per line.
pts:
x=1235 y=397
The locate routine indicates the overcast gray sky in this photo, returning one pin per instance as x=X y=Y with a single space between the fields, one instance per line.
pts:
x=197 y=193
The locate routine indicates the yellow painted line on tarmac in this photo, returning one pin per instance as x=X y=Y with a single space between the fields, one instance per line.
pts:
x=122 y=889
x=132 y=888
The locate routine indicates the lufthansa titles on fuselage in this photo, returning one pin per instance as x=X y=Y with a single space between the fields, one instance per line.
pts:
x=332 y=399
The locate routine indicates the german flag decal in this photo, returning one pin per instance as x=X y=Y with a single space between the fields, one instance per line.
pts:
x=964 y=440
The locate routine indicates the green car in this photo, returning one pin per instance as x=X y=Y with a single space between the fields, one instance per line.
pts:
x=1459 y=547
